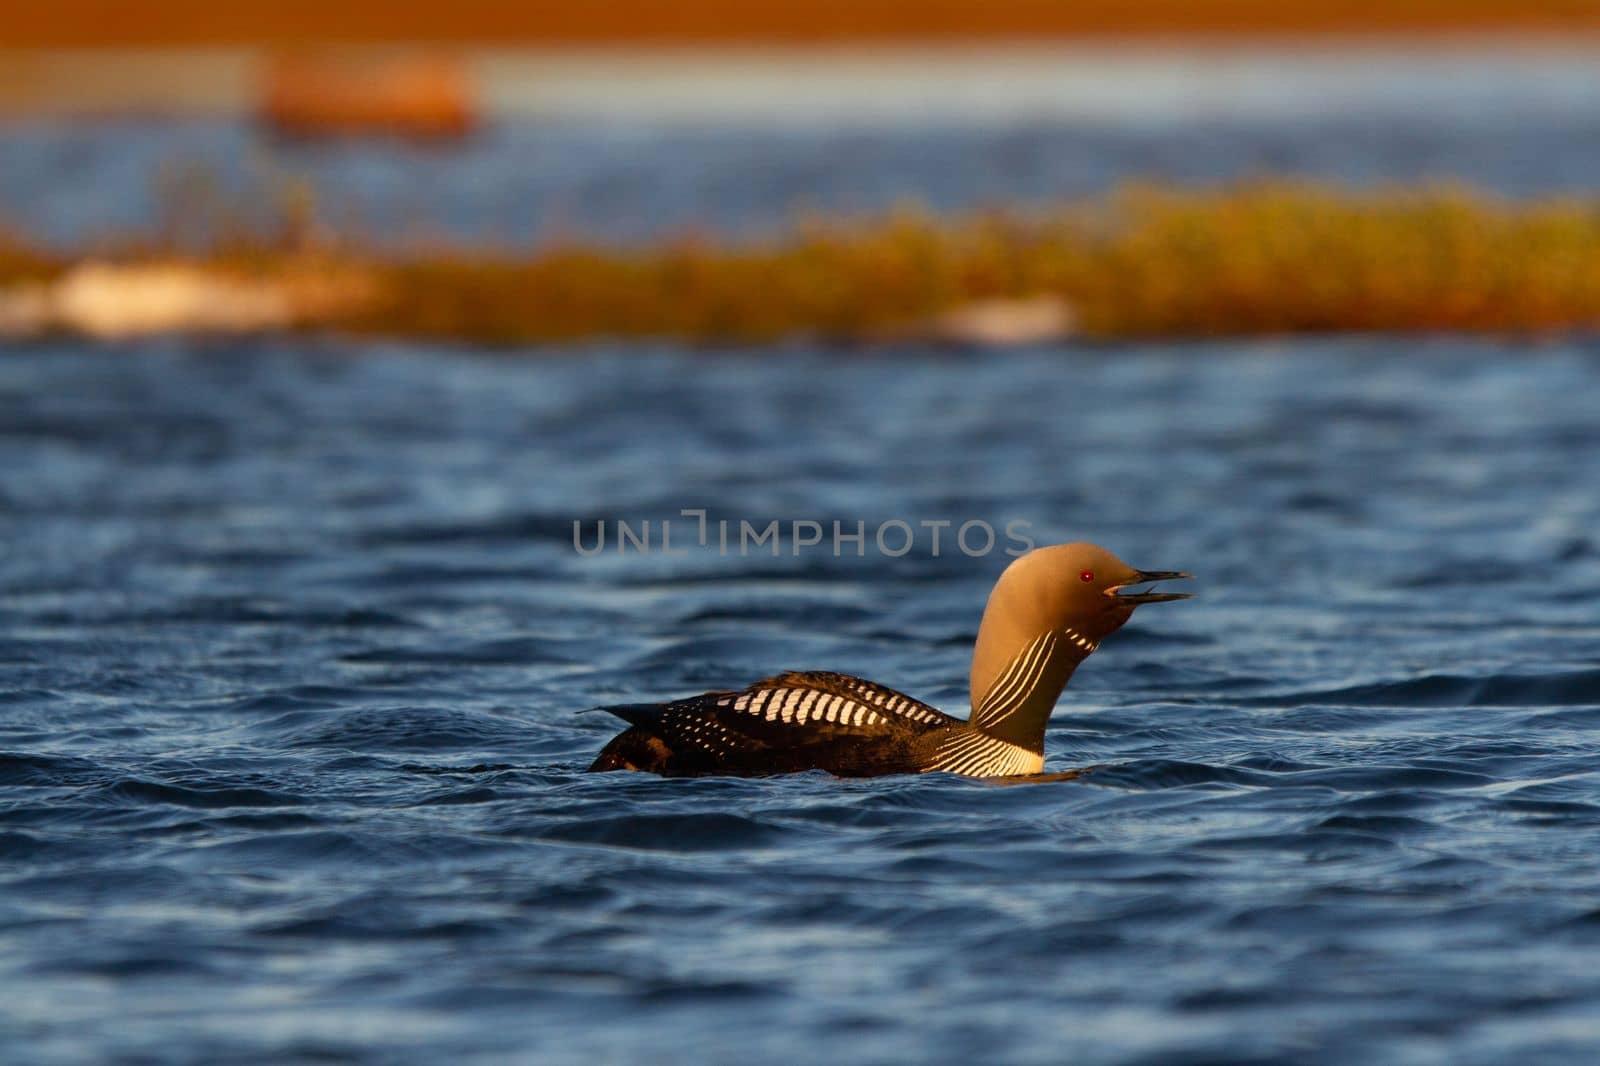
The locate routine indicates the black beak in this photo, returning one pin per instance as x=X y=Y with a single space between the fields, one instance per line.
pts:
x=1144 y=577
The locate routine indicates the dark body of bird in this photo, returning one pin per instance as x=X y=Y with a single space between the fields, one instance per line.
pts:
x=785 y=724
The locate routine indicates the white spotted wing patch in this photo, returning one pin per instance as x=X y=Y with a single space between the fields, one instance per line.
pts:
x=683 y=724
x=799 y=706
x=828 y=701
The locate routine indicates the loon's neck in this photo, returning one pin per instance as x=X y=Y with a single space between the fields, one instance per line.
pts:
x=1017 y=700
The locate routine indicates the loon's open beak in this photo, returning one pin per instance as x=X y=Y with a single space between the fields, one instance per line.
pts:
x=1144 y=577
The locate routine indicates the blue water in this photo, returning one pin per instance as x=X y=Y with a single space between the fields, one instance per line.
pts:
x=293 y=641
x=525 y=181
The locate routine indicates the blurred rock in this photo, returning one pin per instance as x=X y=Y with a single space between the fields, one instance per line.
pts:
x=1002 y=322
x=106 y=300
x=118 y=301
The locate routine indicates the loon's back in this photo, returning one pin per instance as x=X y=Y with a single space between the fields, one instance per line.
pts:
x=844 y=725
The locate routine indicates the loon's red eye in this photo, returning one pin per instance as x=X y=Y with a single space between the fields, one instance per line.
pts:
x=1086 y=575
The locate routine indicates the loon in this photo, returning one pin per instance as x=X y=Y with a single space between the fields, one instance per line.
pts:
x=1048 y=612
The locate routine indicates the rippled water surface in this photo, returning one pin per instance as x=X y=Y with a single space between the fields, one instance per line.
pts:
x=293 y=641
x=530 y=181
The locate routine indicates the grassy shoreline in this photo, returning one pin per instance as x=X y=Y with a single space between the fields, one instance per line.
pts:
x=1271 y=257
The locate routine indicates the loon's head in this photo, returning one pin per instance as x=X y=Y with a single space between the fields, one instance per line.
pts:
x=1078 y=589
x=1080 y=586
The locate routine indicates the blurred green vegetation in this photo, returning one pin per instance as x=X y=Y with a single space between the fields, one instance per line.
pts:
x=1263 y=257
x=1144 y=261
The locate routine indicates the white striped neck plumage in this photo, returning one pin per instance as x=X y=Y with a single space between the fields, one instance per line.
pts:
x=1048 y=612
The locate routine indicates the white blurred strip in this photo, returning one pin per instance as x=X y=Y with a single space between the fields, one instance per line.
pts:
x=1127 y=82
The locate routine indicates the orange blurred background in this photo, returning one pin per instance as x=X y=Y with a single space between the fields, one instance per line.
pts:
x=98 y=23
